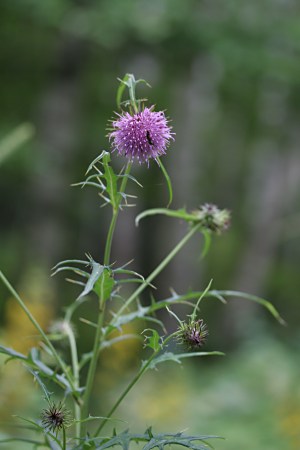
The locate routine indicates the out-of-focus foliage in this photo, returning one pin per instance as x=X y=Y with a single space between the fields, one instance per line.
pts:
x=249 y=404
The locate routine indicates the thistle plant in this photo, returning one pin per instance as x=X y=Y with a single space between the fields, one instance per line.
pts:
x=138 y=132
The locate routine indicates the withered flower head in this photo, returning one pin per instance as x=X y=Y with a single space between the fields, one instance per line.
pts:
x=56 y=417
x=193 y=334
x=212 y=218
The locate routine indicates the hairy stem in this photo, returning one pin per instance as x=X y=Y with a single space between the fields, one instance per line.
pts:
x=75 y=367
x=98 y=334
x=115 y=217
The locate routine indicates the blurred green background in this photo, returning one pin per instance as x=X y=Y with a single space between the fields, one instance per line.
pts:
x=228 y=74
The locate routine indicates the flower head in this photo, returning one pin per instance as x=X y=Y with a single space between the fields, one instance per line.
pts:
x=143 y=136
x=193 y=334
x=212 y=218
x=56 y=417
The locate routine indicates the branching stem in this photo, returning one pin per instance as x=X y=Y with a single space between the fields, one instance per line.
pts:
x=142 y=370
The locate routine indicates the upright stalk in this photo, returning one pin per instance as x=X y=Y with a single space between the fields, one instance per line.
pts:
x=156 y=271
x=140 y=289
x=98 y=334
x=75 y=367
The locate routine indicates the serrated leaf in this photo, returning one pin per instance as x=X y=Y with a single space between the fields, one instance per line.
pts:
x=153 y=440
x=104 y=285
x=97 y=270
x=152 y=341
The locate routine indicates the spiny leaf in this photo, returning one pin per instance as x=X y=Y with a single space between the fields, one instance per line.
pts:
x=96 y=160
x=97 y=271
x=152 y=440
x=152 y=340
x=104 y=285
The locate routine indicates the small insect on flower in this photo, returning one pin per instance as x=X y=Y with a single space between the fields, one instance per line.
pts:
x=149 y=138
x=143 y=136
x=56 y=417
x=193 y=334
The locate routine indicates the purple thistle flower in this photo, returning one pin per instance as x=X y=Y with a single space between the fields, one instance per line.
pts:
x=143 y=136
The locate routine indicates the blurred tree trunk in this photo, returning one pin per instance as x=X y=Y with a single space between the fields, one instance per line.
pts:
x=273 y=182
x=57 y=134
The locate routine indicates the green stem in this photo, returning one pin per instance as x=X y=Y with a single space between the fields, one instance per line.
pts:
x=131 y=89
x=64 y=446
x=155 y=272
x=98 y=335
x=75 y=367
x=60 y=362
x=115 y=217
x=133 y=382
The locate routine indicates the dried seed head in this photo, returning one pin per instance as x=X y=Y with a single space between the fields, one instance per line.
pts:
x=56 y=417
x=212 y=218
x=193 y=334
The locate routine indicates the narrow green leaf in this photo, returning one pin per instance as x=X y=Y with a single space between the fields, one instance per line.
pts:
x=42 y=385
x=20 y=439
x=169 y=356
x=96 y=160
x=111 y=180
x=120 y=91
x=13 y=354
x=168 y=180
x=252 y=298
x=207 y=242
x=179 y=214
